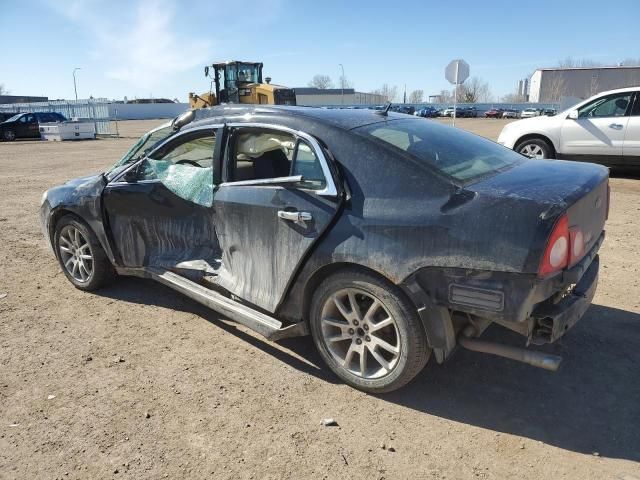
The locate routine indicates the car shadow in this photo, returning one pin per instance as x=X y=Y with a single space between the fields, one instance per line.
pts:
x=148 y=292
x=590 y=405
x=630 y=173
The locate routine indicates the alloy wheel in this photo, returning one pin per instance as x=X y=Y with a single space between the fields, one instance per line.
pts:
x=532 y=150
x=360 y=334
x=9 y=135
x=75 y=253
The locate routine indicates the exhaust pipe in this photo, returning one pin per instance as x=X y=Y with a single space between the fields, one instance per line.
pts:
x=533 y=358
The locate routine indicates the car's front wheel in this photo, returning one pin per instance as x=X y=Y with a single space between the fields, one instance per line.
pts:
x=367 y=331
x=9 y=135
x=534 y=148
x=80 y=255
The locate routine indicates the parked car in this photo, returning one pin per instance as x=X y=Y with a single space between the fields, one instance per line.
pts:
x=530 y=112
x=604 y=129
x=447 y=112
x=407 y=109
x=550 y=112
x=468 y=112
x=310 y=231
x=6 y=116
x=427 y=112
x=27 y=125
x=494 y=113
x=510 y=113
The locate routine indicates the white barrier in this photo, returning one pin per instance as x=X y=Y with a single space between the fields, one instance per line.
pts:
x=145 y=111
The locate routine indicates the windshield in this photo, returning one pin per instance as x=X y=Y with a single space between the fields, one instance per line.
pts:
x=144 y=145
x=248 y=73
x=451 y=151
x=14 y=118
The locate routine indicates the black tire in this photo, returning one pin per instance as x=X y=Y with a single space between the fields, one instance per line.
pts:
x=102 y=272
x=8 y=135
x=535 y=145
x=407 y=330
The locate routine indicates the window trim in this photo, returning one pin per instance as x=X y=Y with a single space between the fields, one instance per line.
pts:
x=329 y=190
x=635 y=107
x=606 y=98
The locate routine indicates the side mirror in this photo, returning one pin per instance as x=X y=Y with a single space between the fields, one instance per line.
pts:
x=573 y=115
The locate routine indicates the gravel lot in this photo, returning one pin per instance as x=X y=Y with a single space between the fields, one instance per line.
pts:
x=136 y=381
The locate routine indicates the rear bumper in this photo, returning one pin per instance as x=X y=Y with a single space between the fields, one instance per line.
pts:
x=539 y=309
x=551 y=320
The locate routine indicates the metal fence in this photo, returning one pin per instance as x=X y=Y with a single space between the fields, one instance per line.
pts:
x=91 y=110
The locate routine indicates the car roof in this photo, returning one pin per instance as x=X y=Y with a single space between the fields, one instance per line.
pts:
x=618 y=90
x=346 y=119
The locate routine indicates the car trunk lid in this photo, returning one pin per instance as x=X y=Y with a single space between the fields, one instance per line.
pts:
x=579 y=190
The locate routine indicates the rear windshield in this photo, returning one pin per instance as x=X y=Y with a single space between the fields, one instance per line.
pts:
x=451 y=151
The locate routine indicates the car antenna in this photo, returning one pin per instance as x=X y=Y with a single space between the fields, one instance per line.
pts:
x=385 y=112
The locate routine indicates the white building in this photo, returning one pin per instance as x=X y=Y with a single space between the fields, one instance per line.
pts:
x=549 y=85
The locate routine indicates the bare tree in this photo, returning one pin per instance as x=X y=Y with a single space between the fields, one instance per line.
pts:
x=416 y=96
x=557 y=88
x=321 y=81
x=446 y=96
x=630 y=62
x=344 y=82
x=388 y=92
x=474 y=90
x=570 y=62
x=3 y=91
x=513 y=98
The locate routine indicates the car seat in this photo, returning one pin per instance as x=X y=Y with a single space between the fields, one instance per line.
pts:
x=271 y=164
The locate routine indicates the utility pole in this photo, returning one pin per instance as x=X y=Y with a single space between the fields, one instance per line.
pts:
x=342 y=83
x=75 y=89
x=404 y=97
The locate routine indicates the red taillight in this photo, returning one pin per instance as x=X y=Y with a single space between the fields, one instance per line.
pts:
x=576 y=247
x=556 y=254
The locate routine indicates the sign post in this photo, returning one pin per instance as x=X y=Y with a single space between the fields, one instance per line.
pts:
x=456 y=72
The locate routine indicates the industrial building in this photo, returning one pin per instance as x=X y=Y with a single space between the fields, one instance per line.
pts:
x=553 y=84
x=523 y=89
x=335 y=96
x=10 y=99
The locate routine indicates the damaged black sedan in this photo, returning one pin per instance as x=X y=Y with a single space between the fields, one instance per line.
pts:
x=389 y=239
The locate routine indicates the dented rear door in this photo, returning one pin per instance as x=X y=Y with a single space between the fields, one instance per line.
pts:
x=266 y=230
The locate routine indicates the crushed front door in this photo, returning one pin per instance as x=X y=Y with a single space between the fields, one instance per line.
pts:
x=159 y=212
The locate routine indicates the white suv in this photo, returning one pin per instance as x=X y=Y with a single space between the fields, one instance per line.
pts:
x=604 y=129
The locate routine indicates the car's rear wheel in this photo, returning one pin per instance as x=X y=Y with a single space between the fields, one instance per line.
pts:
x=9 y=135
x=534 y=148
x=367 y=331
x=80 y=255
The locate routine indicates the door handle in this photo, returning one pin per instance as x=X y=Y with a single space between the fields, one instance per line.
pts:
x=616 y=126
x=296 y=217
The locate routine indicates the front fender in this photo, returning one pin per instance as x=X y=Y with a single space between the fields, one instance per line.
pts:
x=81 y=197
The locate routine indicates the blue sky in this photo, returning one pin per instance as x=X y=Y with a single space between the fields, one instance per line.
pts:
x=142 y=48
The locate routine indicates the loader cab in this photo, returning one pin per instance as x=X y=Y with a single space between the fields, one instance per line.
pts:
x=232 y=80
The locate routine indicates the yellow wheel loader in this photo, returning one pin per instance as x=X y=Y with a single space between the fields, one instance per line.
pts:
x=241 y=82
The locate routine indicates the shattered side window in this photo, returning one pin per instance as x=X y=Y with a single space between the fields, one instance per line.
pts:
x=145 y=144
x=184 y=167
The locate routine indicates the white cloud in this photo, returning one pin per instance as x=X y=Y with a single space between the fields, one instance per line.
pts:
x=142 y=48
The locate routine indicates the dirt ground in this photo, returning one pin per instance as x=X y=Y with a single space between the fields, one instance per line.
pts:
x=137 y=381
